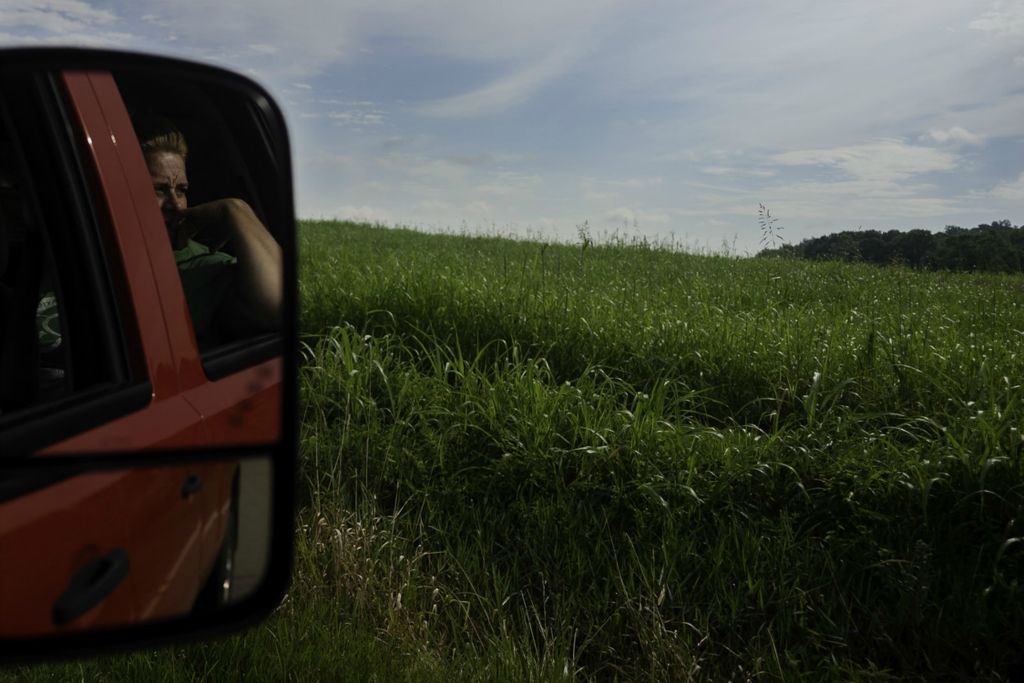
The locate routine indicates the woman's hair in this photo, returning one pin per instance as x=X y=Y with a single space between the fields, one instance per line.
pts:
x=157 y=134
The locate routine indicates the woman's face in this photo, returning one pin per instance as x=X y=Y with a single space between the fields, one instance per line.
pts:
x=167 y=169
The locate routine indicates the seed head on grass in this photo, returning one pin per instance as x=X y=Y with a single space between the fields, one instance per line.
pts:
x=770 y=233
x=583 y=232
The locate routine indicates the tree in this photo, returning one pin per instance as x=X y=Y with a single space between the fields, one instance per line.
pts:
x=995 y=247
x=913 y=246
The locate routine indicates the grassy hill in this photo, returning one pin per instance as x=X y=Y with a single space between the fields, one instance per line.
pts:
x=526 y=461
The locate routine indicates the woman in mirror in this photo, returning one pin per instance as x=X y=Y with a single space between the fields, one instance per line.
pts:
x=229 y=296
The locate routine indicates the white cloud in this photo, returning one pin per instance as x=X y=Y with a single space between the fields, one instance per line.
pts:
x=56 y=17
x=625 y=215
x=479 y=209
x=1010 y=190
x=886 y=160
x=794 y=74
x=364 y=214
x=452 y=213
x=97 y=39
x=510 y=184
x=327 y=160
x=955 y=136
x=504 y=93
x=487 y=31
x=620 y=184
x=1004 y=19
x=605 y=190
x=356 y=117
x=321 y=33
x=733 y=171
x=635 y=183
x=859 y=201
x=264 y=49
x=438 y=172
x=61 y=22
x=473 y=160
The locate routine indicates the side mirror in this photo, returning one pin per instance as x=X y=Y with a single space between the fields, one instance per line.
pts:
x=147 y=351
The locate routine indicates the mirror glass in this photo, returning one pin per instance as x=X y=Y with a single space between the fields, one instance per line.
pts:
x=146 y=219
x=86 y=550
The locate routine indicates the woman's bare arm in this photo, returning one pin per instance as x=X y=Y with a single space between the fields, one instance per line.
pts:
x=259 y=284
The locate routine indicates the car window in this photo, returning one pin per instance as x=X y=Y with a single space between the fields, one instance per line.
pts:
x=34 y=360
x=60 y=345
x=212 y=172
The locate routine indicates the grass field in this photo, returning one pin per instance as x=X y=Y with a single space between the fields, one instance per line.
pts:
x=528 y=461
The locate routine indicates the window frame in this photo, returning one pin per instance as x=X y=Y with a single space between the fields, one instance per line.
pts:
x=252 y=169
x=104 y=383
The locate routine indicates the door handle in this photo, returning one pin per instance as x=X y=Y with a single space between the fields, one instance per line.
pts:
x=90 y=585
x=192 y=485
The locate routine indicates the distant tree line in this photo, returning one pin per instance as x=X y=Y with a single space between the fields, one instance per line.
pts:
x=993 y=247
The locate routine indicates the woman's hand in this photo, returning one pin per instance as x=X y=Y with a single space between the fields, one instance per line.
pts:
x=259 y=288
x=209 y=221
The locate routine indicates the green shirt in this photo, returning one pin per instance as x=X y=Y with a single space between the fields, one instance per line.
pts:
x=206 y=277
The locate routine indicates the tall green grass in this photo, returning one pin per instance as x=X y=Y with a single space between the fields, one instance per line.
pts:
x=530 y=461
x=656 y=464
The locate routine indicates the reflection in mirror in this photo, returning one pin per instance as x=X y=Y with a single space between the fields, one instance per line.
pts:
x=230 y=295
x=129 y=546
x=145 y=215
x=214 y=178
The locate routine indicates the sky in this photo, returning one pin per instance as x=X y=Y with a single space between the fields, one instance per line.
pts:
x=667 y=120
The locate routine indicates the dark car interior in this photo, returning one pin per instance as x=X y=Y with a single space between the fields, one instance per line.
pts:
x=60 y=340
